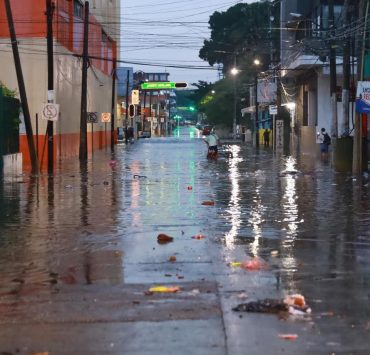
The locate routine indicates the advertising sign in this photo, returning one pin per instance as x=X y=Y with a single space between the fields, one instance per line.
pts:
x=363 y=97
x=266 y=92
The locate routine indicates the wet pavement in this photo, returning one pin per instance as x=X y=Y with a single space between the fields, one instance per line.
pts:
x=79 y=252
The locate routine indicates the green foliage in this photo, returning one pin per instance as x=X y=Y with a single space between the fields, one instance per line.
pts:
x=6 y=91
x=240 y=34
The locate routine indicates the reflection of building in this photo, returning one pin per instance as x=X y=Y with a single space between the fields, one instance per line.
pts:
x=68 y=41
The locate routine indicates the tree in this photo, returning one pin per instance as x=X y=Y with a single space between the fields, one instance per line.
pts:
x=240 y=34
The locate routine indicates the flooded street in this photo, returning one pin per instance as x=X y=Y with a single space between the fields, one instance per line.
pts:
x=79 y=251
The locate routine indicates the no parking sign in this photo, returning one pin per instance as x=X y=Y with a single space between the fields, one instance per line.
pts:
x=50 y=112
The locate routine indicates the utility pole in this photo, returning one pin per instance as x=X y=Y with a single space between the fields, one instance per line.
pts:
x=333 y=71
x=256 y=104
x=50 y=7
x=113 y=105
x=126 y=117
x=22 y=89
x=357 y=138
x=85 y=59
x=346 y=70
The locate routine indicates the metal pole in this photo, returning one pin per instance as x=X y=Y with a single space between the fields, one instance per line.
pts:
x=333 y=72
x=22 y=89
x=234 y=109
x=256 y=104
x=85 y=59
x=357 y=138
x=50 y=7
x=126 y=117
x=346 y=72
x=113 y=106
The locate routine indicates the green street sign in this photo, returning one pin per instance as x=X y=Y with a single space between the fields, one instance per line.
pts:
x=162 y=85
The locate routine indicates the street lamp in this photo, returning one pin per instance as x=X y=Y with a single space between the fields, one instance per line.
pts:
x=234 y=71
x=257 y=63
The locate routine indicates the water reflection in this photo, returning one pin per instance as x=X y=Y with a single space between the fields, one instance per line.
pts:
x=234 y=209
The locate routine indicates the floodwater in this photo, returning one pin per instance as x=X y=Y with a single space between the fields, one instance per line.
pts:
x=96 y=225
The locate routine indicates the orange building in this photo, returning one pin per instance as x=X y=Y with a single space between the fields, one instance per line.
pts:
x=68 y=30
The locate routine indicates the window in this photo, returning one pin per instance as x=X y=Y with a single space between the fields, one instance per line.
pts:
x=77 y=9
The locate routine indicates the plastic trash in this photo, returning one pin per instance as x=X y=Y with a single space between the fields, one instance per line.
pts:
x=288 y=336
x=198 y=236
x=164 y=289
x=172 y=258
x=254 y=264
x=190 y=188
x=208 y=203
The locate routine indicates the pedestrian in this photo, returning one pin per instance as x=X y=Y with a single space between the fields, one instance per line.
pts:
x=212 y=142
x=324 y=139
x=266 y=137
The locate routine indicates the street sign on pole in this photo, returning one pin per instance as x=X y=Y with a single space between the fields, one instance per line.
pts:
x=135 y=99
x=105 y=117
x=92 y=117
x=50 y=112
x=162 y=85
x=273 y=110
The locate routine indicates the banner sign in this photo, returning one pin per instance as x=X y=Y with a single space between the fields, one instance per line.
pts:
x=266 y=92
x=363 y=97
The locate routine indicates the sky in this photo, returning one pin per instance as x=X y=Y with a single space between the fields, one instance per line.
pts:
x=169 y=33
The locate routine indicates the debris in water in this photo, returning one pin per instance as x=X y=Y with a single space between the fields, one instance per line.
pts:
x=112 y=163
x=255 y=264
x=164 y=238
x=208 y=203
x=198 y=236
x=288 y=336
x=172 y=258
x=164 y=289
x=190 y=188
x=274 y=253
x=293 y=304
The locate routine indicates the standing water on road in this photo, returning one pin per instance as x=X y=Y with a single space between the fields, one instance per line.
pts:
x=97 y=226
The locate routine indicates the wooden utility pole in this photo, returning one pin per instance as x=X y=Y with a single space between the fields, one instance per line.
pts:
x=22 y=89
x=113 y=106
x=85 y=60
x=50 y=7
x=333 y=71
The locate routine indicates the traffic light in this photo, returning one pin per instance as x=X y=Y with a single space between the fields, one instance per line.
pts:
x=138 y=110
x=131 y=111
x=181 y=85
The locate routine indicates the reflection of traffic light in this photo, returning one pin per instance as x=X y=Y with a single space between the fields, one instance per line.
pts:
x=131 y=111
x=138 y=110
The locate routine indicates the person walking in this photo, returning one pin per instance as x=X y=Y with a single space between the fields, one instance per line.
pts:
x=212 y=141
x=266 y=137
x=324 y=139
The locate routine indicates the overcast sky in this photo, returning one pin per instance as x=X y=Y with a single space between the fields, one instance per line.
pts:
x=169 y=32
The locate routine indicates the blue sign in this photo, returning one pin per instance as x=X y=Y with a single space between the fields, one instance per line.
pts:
x=363 y=97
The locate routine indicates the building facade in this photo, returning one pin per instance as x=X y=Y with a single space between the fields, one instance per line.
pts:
x=68 y=31
x=305 y=69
